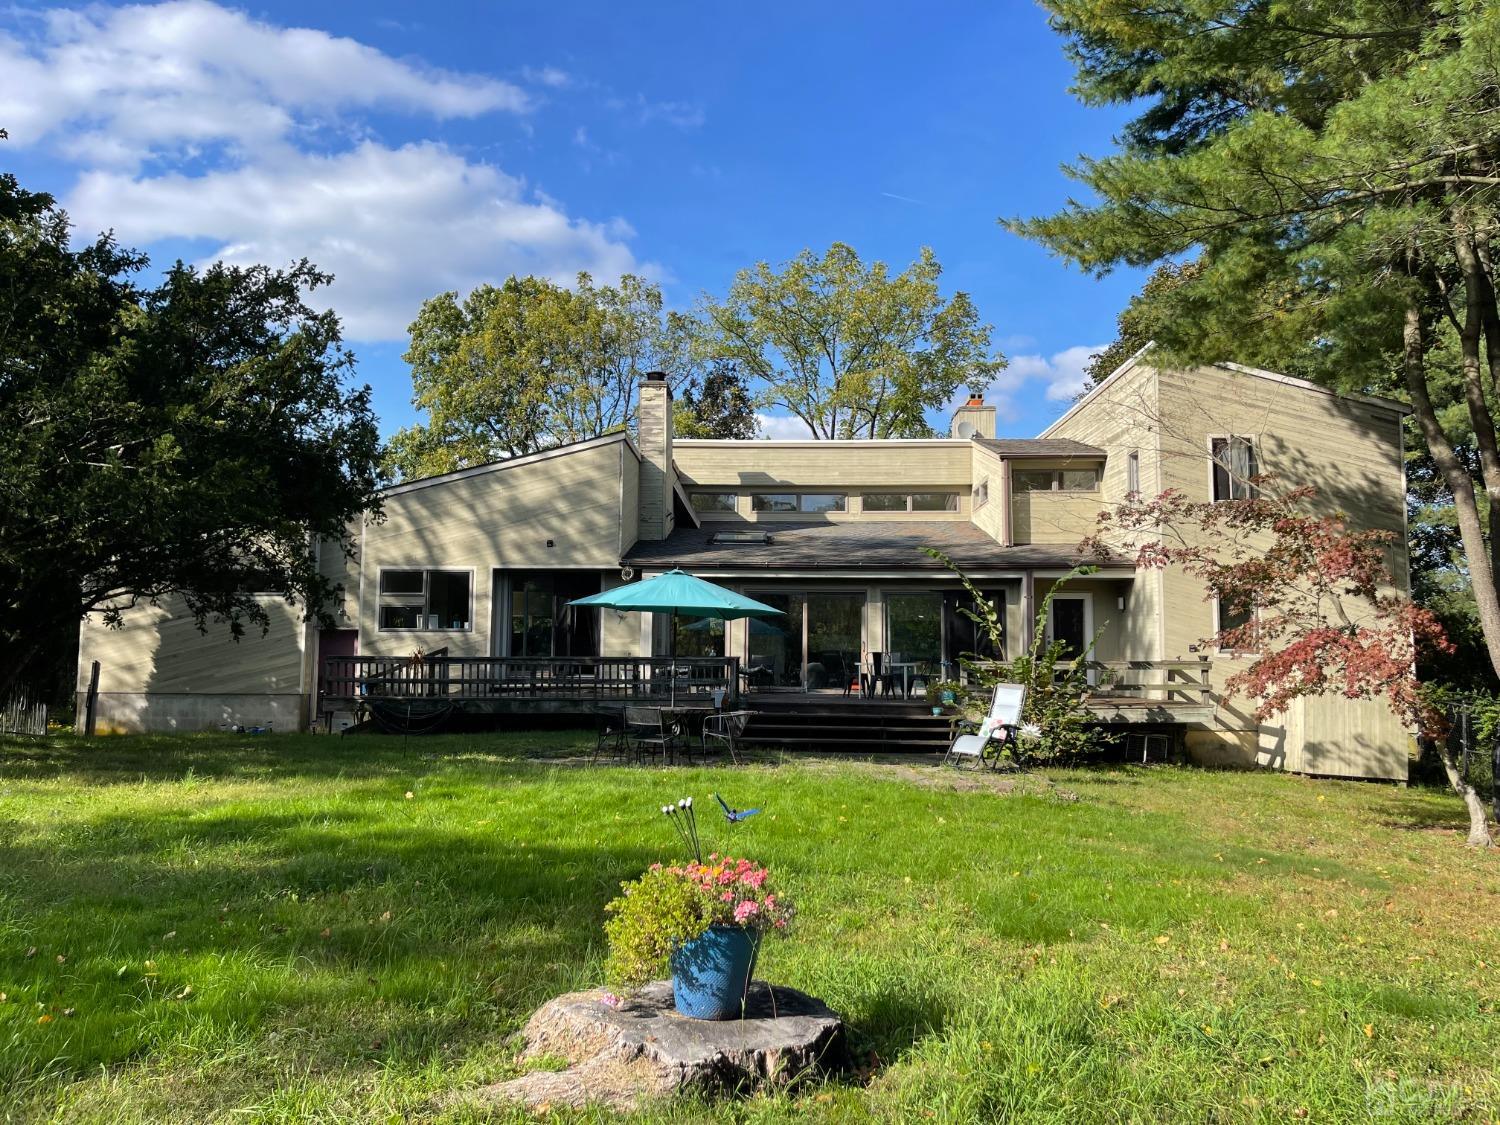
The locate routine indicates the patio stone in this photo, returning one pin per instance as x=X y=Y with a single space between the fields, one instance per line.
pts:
x=641 y=1049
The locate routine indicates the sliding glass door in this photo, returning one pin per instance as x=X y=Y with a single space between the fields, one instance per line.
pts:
x=815 y=647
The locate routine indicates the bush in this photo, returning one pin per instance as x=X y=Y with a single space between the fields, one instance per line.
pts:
x=670 y=905
x=1058 y=727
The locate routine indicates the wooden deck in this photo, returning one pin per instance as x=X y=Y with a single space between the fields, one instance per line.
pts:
x=1159 y=695
x=501 y=685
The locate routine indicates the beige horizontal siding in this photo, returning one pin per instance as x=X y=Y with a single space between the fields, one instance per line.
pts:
x=501 y=519
x=850 y=466
x=159 y=649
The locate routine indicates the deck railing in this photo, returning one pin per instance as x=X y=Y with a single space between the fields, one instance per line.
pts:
x=1164 y=681
x=440 y=677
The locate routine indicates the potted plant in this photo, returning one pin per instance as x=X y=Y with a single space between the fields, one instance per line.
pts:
x=703 y=922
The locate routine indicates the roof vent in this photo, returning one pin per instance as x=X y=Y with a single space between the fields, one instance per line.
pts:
x=739 y=537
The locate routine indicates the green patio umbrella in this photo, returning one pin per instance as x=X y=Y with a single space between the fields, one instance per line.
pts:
x=678 y=592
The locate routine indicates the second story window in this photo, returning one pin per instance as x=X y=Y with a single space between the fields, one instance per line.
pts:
x=1235 y=467
x=787 y=502
x=982 y=493
x=910 y=501
x=714 y=501
x=1056 y=480
x=1133 y=472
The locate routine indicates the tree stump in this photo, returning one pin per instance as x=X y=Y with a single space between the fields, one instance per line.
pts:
x=640 y=1049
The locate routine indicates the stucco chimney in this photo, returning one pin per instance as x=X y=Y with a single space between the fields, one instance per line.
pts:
x=973 y=418
x=655 y=434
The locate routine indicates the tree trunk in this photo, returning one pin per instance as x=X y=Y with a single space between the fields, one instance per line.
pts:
x=1456 y=477
x=1466 y=508
x=1479 y=822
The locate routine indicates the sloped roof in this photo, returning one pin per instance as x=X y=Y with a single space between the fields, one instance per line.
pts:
x=855 y=545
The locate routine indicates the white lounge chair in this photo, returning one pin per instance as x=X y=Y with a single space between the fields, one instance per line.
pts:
x=999 y=726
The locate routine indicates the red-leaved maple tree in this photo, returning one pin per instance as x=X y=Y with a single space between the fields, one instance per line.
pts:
x=1318 y=610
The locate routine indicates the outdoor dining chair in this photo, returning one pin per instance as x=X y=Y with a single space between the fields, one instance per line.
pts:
x=999 y=727
x=652 y=730
x=726 y=730
x=610 y=737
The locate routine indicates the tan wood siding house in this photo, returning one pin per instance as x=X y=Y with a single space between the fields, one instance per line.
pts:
x=482 y=562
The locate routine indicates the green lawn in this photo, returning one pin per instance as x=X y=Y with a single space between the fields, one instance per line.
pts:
x=302 y=928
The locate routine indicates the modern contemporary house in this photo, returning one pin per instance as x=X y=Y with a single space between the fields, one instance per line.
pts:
x=460 y=592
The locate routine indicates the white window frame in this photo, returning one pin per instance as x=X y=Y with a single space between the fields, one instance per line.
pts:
x=1057 y=479
x=1133 y=472
x=958 y=501
x=411 y=599
x=981 y=494
x=798 y=510
x=1214 y=464
x=733 y=496
x=1218 y=623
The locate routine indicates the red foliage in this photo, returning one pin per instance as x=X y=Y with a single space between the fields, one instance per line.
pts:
x=1323 y=615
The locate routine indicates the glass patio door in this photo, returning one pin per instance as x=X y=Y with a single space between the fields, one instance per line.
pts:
x=775 y=656
x=815 y=647
x=835 y=629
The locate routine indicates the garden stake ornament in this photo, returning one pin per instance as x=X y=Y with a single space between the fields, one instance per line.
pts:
x=686 y=822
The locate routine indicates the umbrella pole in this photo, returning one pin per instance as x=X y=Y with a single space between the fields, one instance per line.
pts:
x=672 y=655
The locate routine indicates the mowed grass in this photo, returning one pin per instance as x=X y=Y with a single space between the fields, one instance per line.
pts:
x=320 y=929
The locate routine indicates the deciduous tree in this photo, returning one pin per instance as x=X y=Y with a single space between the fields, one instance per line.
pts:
x=196 y=437
x=717 y=404
x=848 y=348
x=1319 y=611
x=530 y=364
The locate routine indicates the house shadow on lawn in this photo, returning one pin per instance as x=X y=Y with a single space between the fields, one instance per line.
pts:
x=347 y=925
x=115 y=760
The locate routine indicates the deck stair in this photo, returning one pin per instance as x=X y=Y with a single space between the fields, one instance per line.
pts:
x=844 y=724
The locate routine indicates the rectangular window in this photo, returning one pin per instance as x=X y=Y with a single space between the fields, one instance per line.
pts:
x=1228 y=617
x=1056 y=480
x=1235 y=467
x=982 y=493
x=911 y=501
x=1032 y=480
x=401 y=582
x=885 y=502
x=813 y=502
x=934 y=501
x=714 y=501
x=828 y=502
x=425 y=599
x=400 y=617
x=1078 y=480
x=774 y=502
x=1133 y=472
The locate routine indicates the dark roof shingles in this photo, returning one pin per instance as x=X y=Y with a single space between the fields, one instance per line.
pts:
x=849 y=545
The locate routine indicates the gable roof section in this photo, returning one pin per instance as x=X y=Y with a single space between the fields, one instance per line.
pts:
x=512 y=463
x=1393 y=405
x=847 y=546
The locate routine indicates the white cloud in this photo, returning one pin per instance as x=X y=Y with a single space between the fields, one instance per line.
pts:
x=782 y=427
x=394 y=226
x=548 y=76
x=1059 y=378
x=189 y=120
x=119 y=85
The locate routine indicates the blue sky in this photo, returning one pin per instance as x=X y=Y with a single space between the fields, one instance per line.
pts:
x=411 y=149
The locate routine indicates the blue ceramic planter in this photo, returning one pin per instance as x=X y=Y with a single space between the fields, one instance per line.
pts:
x=711 y=973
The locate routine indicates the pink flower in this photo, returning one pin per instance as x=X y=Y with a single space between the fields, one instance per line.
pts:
x=727 y=896
x=745 y=911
